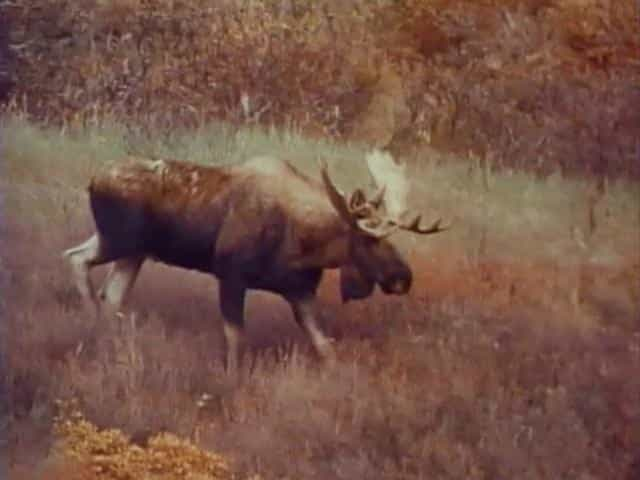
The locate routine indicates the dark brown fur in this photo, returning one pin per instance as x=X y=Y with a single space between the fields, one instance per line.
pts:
x=259 y=225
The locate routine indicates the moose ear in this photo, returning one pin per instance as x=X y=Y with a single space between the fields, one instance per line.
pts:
x=354 y=285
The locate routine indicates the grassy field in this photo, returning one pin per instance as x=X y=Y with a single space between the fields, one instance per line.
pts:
x=515 y=356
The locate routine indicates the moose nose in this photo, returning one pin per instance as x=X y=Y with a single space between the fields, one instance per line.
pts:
x=400 y=286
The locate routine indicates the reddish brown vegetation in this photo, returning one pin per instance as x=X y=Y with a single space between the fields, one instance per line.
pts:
x=493 y=368
x=534 y=84
x=487 y=371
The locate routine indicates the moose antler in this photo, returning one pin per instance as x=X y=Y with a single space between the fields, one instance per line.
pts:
x=413 y=225
x=365 y=214
x=385 y=171
x=355 y=209
x=383 y=227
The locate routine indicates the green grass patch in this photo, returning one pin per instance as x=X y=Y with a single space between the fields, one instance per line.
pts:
x=511 y=214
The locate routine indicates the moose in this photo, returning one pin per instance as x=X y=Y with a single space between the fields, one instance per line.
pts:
x=261 y=224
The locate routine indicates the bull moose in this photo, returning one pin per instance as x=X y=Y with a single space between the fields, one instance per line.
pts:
x=261 y=224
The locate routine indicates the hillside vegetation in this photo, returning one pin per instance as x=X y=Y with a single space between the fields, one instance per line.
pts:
x=515 y=356
x=535 y=84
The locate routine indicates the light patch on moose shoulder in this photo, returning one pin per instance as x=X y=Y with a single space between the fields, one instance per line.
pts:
x=193 y=178
x=135 y=166
x=157 y=166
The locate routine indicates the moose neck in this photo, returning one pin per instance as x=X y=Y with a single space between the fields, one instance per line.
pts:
x=331 y=248
x=336 y=252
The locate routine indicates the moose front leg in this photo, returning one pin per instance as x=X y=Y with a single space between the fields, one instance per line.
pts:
x=232 y=296
x=304 y=311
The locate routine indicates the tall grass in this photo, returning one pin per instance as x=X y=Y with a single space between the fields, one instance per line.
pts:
x=512 y=212
x=515 y=356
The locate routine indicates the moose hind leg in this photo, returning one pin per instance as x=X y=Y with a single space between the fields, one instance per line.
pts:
x=82 y=258
x=119 y=281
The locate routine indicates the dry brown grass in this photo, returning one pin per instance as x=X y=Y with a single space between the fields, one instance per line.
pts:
x=509 y=359
x=540 y=85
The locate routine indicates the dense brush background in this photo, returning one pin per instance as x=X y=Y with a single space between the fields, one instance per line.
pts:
x=517 y=353
x=540 y=84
